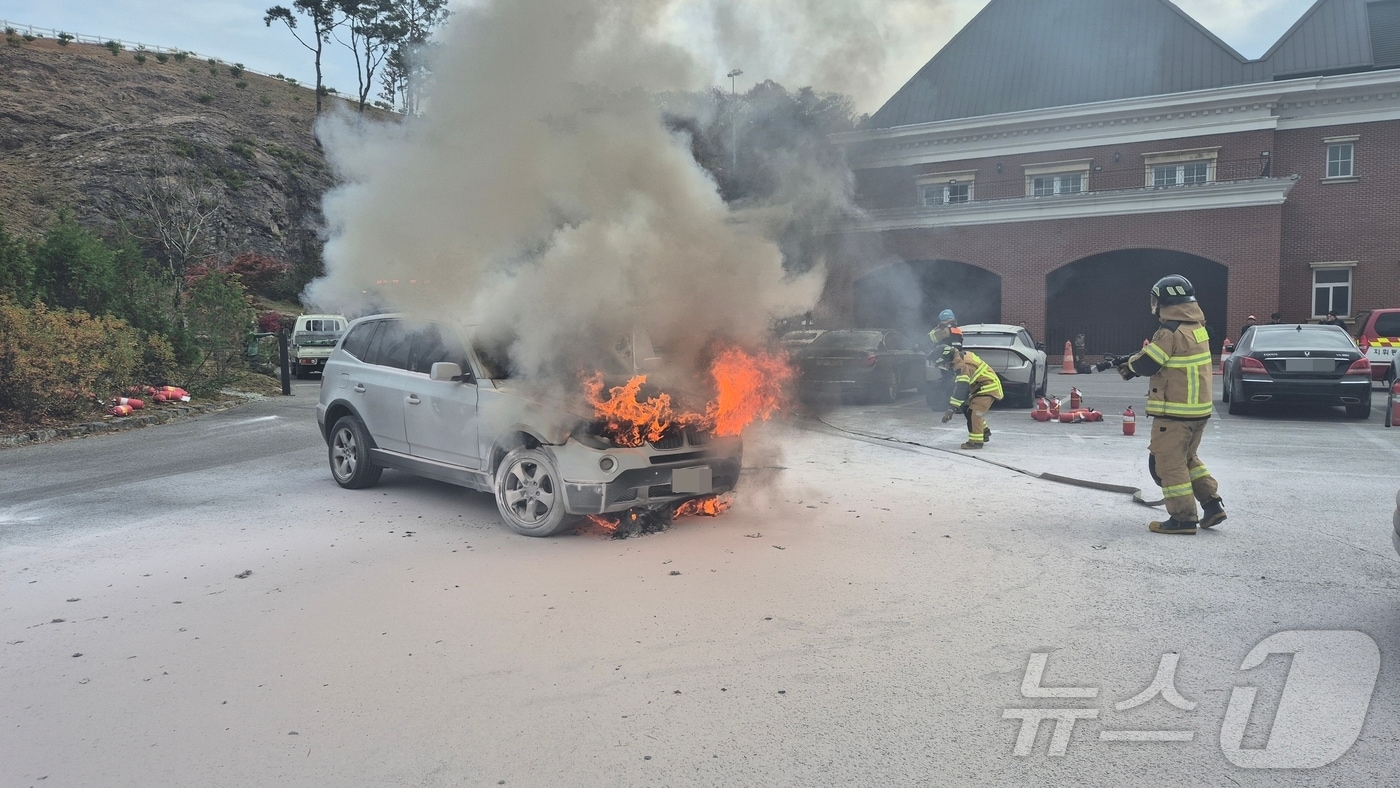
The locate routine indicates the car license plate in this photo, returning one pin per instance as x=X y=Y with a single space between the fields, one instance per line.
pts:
x=1309 y=364
x=692 y=480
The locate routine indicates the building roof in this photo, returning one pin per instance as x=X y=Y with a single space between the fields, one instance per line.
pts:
x=1330 y=37
x=1034 y=54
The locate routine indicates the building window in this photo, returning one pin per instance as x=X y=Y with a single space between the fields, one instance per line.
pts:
x=1181 y=167
x=1059 y=183
x=946 y=188
x=1184 y=174
x=1331 y=291
x=1341 y=160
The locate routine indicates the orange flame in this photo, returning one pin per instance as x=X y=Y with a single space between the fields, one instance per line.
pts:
x=747 y=388
x=708 y=506
x=608 y=524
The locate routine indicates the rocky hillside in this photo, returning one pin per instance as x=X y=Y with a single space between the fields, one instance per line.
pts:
x=85 y=128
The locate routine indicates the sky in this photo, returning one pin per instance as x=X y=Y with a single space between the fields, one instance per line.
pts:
x=905 y=32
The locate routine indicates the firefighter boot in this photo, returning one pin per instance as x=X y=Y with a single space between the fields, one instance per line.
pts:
x=1172 y=526
x=970 y=445
x=1212 y=512
x=986 y=434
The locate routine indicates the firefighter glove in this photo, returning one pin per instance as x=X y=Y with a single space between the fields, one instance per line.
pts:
x=1126 y=372
x=947 y=415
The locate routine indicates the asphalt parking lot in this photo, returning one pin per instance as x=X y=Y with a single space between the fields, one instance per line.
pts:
x=201 y=599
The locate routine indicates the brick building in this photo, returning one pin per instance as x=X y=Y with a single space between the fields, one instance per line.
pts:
x=1058 y=156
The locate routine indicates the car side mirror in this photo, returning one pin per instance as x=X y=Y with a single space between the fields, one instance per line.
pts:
x=1040 y=346
x=445 y=370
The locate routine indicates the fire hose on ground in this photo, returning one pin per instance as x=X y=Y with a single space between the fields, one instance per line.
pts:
x=1135 y=492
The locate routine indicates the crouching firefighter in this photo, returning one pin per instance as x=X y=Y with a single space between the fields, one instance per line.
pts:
x=975 y=388
x=1180 y=401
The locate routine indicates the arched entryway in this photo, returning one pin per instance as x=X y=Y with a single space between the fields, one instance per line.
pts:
x=908 y=296
x=1105 y=297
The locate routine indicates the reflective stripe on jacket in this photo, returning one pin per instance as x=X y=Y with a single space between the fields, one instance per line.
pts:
x=975 y=379
x=1178 y=359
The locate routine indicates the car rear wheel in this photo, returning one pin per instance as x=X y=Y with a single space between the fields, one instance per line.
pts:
x=885 y=388
x=1027 y=400
x=530 y=495
x=349 y=455
x=1238 y=407
x=1361 y=410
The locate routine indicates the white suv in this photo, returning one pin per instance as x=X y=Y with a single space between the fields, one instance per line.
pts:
x=423 y=398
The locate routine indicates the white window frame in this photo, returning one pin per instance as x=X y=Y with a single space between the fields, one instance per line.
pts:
x=1347 y=144
x=944 y=186
x=1058 y=172
x=1180 y=160
x=1332 y=267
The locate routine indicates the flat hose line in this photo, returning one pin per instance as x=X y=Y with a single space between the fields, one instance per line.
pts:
x=1136 y=492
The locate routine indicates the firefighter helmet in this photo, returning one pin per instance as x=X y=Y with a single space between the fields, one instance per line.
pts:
x=1173 y=289
x=946 y=316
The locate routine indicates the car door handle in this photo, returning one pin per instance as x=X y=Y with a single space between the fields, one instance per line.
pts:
x=359 y=388
x=412 y=399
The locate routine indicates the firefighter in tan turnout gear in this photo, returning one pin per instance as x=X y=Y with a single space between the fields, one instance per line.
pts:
x=974 y=390
x=1180 y=402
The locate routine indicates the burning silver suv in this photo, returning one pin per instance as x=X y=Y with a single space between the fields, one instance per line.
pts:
x=424 y=399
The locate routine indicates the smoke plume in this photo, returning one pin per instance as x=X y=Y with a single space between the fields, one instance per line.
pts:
x=544 y=197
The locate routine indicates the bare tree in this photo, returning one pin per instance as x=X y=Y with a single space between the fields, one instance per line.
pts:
x=175 y=213
x=324 y=19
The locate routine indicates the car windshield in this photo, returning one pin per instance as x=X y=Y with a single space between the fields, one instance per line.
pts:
x=999 y=340
x=1308 y=338
x=847 y=340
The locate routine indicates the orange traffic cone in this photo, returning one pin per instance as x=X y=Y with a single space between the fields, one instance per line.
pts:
x=1067 y=368
x=1224 y=354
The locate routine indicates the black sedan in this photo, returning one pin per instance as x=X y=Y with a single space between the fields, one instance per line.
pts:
x=1304 y=364
x=875 y=364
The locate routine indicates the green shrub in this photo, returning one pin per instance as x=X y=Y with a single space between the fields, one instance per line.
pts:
x=211 y=61
x=64 y=38
x=213 y=71
x=16 y=268
x=180 y=57
x=74 y=269
x=264 y=100
x=232 y=177
x=242 y=147
x=240 y=84
x=220 y=316
x=113 y=47
x=9 y=31
x=236 y=70
x=139 y=57
x=291 y=81
x=29 y=36
x=205 y=98
x=161 y=57
x=57 y=363
x=184 y=148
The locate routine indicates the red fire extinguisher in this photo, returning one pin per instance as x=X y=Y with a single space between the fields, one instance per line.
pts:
x=1042 y=410
x=1054 y=408
x=1075 y=399
x=1392 y=406
x=1129 y=421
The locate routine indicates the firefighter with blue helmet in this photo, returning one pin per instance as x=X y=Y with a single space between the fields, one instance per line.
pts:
x=1180 y=403
x=947 y=328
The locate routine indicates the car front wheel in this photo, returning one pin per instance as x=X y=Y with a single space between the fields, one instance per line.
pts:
x=349 y=455
x=530 y=495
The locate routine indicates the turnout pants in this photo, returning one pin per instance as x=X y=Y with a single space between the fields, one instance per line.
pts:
x=1176 y=468
x=976 y=413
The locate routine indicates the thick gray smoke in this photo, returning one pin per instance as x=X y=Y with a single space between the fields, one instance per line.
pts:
x=542 y=196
